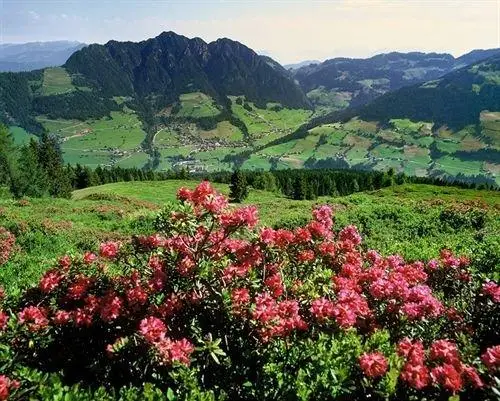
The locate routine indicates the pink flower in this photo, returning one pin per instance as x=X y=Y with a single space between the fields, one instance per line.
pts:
x=444 y=350
x=323 y=214
x=6 y=385
x=111 y=307
x=373 y=364
x=267 y=236
x=184 y=194
x=351 y=234
x=89 y=258
x=109 y=249
x=240 y=296
x=136 y=296
x=322 y=309
x=265 y=308
x=186 y=266
x=61 y=317
x=50 y=281
x=448 y=377
x=415 y=375
x=152 y=329
x=283 y=238
x=306 y=255
x=327 y=248
x=242 y=217
x=82 y=317
x=4 y=318
x=472 y=377
x=79 y=288
x=275 y=285
x=319 y=230
x=493 y=290
x=175 y=351
x=65 y=262
x=34 y=317
x=491 y=358
x=413 y=351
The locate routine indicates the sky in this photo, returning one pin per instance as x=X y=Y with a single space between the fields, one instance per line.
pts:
x=287 y=30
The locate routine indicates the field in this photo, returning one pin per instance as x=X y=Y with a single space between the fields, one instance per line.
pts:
x=197 y=105
x=106 y=141
x=21 y=137
x=56 y=81
x=403 y=145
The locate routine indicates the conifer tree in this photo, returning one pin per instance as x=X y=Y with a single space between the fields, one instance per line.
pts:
x=7 y=156
x=238 y=187
x=31 y=180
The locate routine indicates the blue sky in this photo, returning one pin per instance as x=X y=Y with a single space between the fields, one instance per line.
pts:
x=288 y=30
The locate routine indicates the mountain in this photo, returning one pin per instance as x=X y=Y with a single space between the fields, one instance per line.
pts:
x=474 y=56
x=305 y=63
x=36 y=55
x=342 y=82
x=455 y=100
x=171 y=64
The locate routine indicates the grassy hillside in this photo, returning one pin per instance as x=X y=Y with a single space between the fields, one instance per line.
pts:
x=415 y=148
x=414 y=220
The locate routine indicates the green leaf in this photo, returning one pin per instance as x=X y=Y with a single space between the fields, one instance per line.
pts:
x=170 y=395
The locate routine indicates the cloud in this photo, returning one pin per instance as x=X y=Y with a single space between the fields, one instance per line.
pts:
x=35 y=16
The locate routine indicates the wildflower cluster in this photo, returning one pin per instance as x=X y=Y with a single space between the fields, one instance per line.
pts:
x=7 y=241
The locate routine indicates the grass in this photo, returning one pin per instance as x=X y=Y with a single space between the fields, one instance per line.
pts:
x=197 y=105
x=105 y=141
x=56 y=81
x=261 y=121
x=454 y=166
x=20 y=136
x=403 y=219
x=224 y=130
x=404 y=146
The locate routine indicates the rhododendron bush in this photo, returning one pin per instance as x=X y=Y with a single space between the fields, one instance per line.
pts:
x=214 y=302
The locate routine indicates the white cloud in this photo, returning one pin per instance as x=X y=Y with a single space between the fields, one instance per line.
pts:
x=34 y=15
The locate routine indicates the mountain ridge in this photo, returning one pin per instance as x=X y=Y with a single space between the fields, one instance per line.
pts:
x=351 y=82
x=171 y=64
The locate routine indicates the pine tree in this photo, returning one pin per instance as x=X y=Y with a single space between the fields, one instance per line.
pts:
x=51 y=161
x=238 y=187
x=7 y=156
x=300 y=188
x=31 y=180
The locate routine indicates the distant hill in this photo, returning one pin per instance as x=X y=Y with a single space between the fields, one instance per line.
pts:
x=296 y=66
x=36 y=55
x=171 y=64
x=340 y=83
x=454 y=100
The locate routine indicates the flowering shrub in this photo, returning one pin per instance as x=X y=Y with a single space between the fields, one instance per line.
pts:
x=7 y=241
x=213 y=302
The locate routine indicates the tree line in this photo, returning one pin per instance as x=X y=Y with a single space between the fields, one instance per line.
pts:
x=312 y=183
